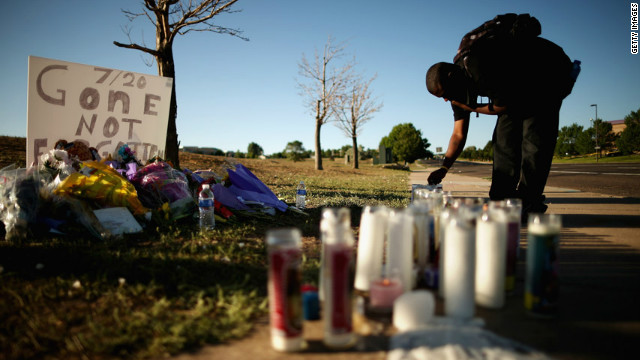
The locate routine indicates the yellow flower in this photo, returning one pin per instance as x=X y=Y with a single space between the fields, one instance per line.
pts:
x=166 y=210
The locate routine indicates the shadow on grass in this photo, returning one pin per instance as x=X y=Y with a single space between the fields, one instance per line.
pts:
x=101 y=264
x=125 y=299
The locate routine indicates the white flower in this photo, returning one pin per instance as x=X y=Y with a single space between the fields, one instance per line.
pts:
x=60 y=155
x=77 y=284
x=122 y=281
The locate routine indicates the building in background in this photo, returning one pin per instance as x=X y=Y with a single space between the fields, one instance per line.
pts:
x=617 y=126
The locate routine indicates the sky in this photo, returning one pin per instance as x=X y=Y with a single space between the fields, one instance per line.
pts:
x=232 y=92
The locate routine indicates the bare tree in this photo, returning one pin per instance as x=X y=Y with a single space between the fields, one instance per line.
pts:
x=357 y=107
x=172 y=18
x=325 y=85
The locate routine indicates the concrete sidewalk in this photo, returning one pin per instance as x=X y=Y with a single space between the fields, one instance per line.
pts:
x=599 y=316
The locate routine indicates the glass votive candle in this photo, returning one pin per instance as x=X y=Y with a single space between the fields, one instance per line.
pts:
x=383 y=292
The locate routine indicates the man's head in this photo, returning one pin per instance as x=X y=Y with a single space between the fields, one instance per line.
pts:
x=447 y=81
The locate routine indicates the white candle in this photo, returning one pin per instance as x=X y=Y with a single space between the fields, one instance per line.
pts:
x=440 y=224
x=400 y=247
x=413 y=309
x=459 y=268
x=491 y=260
x=373 y=227
x=422 y=231
x=510 y=209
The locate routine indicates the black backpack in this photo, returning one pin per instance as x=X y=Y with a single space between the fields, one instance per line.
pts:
x=506 y=27
x=513 y=31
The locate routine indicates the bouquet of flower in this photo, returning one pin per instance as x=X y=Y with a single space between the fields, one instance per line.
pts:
x=158 y=183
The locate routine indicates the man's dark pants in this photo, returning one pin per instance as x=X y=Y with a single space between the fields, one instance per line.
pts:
x=523 y=147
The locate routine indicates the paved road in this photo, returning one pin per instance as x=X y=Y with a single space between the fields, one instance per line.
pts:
x=620 y=179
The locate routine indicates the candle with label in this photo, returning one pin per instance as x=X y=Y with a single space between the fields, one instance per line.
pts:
x=541 y=280
x=285 y=301
x=337 y=240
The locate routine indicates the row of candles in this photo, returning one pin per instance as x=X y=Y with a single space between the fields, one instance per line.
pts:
x=460 y=245
x=466 y=247
x=335 y=288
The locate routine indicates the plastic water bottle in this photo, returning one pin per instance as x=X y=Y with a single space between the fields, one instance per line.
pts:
x=575 y=70
x=205 y=203
x=301 y=194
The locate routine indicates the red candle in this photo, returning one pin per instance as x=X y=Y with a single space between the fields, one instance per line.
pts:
x=384 y=292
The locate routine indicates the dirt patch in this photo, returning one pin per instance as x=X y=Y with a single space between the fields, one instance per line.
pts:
x=13 y=150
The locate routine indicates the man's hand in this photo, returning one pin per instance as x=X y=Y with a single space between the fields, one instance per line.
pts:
x=437 y=176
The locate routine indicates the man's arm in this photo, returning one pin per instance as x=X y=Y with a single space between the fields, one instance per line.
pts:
x=456 y=145
x=488 y=109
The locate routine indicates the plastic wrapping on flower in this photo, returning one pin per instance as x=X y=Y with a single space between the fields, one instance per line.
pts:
x=57 y=163
x=249 y=187
x=228 y=198
x=19 y=202
x=103 y=185
x=125 y=155
x=70 y=216
x=158 y=183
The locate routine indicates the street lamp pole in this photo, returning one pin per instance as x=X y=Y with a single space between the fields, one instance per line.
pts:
x=595 y=125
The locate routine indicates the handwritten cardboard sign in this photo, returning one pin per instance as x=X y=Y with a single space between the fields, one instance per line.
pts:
x=104 y=108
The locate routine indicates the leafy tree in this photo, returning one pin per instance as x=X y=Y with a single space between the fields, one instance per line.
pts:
x=323 y=85
x=586 y=141
x=567 y=139
x=369 y=153
x=172 y=18
x=629 y=140
x=294 y=151
x=473 y=153
x=487 y=151
x=606 y=136
x=469 y=153
x=254 y=150
x=406 y=143
x=344 y=149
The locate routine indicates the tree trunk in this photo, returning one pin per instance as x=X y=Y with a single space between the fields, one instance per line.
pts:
x=355 y=152
x=172 y=144
x=318 y=147
x=319 y=122
x=166 y=68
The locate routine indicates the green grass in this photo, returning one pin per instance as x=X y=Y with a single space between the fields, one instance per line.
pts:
x=171 y=288
x=592 y=159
